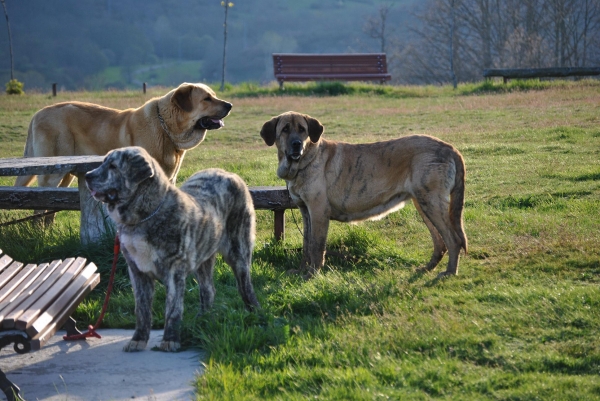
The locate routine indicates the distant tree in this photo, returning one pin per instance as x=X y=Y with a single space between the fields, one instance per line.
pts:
x=12 y=77
x=375 y=26
x=227 y=6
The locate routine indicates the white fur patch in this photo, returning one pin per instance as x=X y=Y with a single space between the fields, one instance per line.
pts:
x=141 y=252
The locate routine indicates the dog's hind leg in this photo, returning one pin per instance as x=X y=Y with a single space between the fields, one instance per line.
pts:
x=241 y=270
x=436 y=208
x=239 y=257
x=206 y=286
x=237 y=250
x=24 y=180
x=439 y=247
x=143 y=291
x=53 y=180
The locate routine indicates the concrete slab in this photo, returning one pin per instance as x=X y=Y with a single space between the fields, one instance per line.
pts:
x=98 y=370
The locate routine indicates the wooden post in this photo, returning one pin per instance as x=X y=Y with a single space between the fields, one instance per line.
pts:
x=144 y=87
x=94 y=222
x=54 y=89
x=279 y=223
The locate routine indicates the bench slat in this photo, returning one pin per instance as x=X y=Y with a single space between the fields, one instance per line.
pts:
x=346 y=77
x=265 y=198
x=9 y=273
x=5 y=260
x=41 y=338
x=16 y=281
x=39 y=198
x=37 y=291
x=66 y=295
x=28 y=317
x=26 y=288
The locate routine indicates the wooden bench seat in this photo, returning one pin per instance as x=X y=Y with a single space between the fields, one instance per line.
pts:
x=37 y=300
x=320 y=67
x=528 y=73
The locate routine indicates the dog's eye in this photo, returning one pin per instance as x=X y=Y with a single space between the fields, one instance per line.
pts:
x=111 y=166
x=300 y=128
x=285 y=129
x=208 y=99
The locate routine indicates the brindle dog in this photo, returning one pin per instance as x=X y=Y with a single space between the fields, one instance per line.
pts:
x=348 y=182
x=167 y=233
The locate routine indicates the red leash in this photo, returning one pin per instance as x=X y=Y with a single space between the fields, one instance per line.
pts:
x=92 y=329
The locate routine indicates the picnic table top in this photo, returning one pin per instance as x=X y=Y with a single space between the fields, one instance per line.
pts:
x=48 y=165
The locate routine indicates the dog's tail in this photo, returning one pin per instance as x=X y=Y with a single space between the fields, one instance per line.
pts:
x=26 y=180
x=457 y=200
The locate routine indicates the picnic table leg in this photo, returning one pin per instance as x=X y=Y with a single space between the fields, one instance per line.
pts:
x=279 y=224
x=94 y=221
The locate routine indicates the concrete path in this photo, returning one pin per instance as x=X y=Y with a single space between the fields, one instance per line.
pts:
x=98 y=370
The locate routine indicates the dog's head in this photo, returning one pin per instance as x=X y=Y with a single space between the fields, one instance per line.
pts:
x=119 y=176
x=295 y=136
x=192 y=110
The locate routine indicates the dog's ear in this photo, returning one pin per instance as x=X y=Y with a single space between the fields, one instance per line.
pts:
x=268 y=131
x=141 y=168
x=315 y=128
x=182 y=97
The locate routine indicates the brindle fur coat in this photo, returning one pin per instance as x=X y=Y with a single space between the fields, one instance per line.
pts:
x=167 y=233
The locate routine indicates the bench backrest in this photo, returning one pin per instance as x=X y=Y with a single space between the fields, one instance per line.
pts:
x=330 y=64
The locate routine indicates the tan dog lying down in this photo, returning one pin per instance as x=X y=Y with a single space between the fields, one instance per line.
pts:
x=166 y=127
x=346 y=182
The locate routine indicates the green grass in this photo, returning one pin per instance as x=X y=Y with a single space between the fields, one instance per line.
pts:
x=521 y=320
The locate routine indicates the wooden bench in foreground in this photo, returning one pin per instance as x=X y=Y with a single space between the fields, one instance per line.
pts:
x=276 y=199
x=527 y=73
x=36 y=301
x=332 y=67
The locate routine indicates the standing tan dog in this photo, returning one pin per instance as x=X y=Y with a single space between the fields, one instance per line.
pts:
x=346 y=182
x=166 y=127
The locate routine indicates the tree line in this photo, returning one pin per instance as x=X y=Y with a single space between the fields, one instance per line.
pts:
x=455 y=40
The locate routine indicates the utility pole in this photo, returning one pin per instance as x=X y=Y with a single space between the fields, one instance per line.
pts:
x=451 y=50
x=227 y=6
x=12 y=64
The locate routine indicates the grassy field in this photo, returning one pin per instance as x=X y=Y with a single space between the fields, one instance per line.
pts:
x=521 y=320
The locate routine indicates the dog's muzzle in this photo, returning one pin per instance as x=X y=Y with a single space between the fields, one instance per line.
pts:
x=296 y=152
x=110 y=196
x=214 y=122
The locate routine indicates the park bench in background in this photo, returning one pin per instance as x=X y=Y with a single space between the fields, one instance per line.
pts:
x=93 y=223
x=332 y=67
x=528 y=73
x=36 y=301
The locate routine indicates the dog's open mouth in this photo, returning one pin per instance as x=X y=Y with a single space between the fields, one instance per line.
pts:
x=111 y=196
x=295 y=156
x=210 y=123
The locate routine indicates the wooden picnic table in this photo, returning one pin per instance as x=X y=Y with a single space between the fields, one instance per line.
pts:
x=93 y=220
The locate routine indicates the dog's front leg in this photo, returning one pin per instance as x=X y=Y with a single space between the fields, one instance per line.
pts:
x=175 y=286
x=317 y=240
x=305 y=262
x=143 y=291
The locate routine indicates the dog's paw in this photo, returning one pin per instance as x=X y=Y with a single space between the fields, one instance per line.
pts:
x=134 y=346
x=445 y=274
x=169 y=346
x=293 y=272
